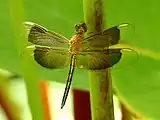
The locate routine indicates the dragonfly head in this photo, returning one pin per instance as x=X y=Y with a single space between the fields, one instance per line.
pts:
x=81 y=28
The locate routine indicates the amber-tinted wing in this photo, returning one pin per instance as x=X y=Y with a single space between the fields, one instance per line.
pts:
x=50 y=48
x=101 y=59
x=109 y=37
x=50 y=57
x=98 y=59
x=41 y=36
x=96 y=53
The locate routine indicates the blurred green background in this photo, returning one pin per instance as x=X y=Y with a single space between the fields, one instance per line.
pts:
x=138 y=85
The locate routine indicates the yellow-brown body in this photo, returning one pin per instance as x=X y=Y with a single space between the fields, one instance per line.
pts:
x=75 y=43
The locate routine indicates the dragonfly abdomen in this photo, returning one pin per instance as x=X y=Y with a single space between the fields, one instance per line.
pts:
x=69 y=79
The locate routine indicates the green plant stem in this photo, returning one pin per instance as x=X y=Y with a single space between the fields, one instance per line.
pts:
x=99 y=81
x=33 y=92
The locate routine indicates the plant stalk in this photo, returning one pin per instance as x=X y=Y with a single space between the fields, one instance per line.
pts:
x=29 y=74
x=101 y=95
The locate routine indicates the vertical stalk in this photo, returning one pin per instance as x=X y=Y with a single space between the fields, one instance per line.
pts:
x=100 y=83
x=33 y=92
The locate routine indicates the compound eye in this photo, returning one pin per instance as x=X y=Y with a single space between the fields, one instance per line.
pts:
x=84 y=27
x=76 y=27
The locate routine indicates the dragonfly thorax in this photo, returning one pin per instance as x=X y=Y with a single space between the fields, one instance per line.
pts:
x=75 y=43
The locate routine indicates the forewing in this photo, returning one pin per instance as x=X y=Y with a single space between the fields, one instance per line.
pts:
x=41 y=36
x=49 y=57
x=109 y=37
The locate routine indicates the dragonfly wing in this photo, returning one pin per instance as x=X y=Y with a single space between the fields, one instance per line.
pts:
x=41 y=36
x=98 y=59
x=109 y=37
x=49 y=57
x=102 y=59
x=119 y=33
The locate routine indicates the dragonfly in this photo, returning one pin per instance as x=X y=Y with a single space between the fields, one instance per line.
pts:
x=84 y=50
